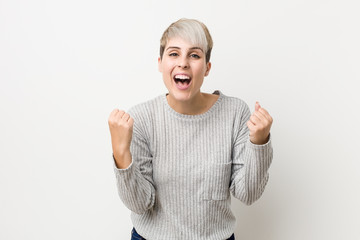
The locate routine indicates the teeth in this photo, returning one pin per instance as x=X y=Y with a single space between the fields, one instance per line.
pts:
x=182 y=77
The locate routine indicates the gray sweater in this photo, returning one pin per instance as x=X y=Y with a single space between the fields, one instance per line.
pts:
x=185 y=167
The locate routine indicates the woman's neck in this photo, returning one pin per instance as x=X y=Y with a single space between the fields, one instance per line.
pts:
x=197 y=105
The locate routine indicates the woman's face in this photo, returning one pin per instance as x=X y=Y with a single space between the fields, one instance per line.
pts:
x=183 y=67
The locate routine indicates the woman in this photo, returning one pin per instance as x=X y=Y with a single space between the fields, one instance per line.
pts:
x=178 y=156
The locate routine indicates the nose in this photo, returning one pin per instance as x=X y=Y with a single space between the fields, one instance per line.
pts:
x=183 y=63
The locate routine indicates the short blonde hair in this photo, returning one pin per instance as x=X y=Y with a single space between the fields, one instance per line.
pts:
x=191 y=30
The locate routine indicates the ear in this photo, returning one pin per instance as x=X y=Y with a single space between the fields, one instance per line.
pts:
x=159 y=64
x=208 y=67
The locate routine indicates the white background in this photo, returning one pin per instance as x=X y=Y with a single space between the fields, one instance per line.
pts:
x=65 y=65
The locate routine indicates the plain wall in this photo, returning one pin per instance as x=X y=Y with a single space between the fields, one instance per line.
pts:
x=65 y=65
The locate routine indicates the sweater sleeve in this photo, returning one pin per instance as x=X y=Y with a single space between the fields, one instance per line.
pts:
x=250 y=164
x=135 y=184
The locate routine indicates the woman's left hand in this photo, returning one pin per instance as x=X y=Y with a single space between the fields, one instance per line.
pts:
x=259 y=125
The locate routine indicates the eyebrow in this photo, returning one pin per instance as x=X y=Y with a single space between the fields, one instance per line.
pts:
x=179 y=48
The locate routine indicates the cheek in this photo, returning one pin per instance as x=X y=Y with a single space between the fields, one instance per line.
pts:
x=168 y=67
x=200 y=70
x=167 y=70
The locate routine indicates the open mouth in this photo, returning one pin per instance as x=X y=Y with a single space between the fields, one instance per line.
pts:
x=182 y=80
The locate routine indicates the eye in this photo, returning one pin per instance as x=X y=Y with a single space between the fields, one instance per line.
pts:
x=194 y=55
x=173 y=54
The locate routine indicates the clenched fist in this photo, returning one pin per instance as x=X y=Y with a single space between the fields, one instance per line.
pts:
x=121 y=130
x=259 y=125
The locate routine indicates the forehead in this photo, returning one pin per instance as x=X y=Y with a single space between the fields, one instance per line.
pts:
x=181 y=43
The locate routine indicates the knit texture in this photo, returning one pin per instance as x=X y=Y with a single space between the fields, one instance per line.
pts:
x=184 y=168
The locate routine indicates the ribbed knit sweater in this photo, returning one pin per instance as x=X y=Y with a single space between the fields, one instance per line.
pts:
x=184 y=168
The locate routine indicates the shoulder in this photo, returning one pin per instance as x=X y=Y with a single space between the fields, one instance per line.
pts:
x=240 y=112
x=235 y=104
x=144 y=109
x=144 y=114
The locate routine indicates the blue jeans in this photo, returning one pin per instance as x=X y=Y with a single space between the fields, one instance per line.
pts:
x=136 y=236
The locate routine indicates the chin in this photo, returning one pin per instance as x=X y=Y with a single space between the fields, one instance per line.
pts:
x=181 y=96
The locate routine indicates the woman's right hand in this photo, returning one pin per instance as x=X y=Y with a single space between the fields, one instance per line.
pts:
x=121 y=129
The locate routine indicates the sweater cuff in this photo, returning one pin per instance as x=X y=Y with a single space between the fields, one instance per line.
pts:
x=261 y=146
x=262 y=153
x=129 y=168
